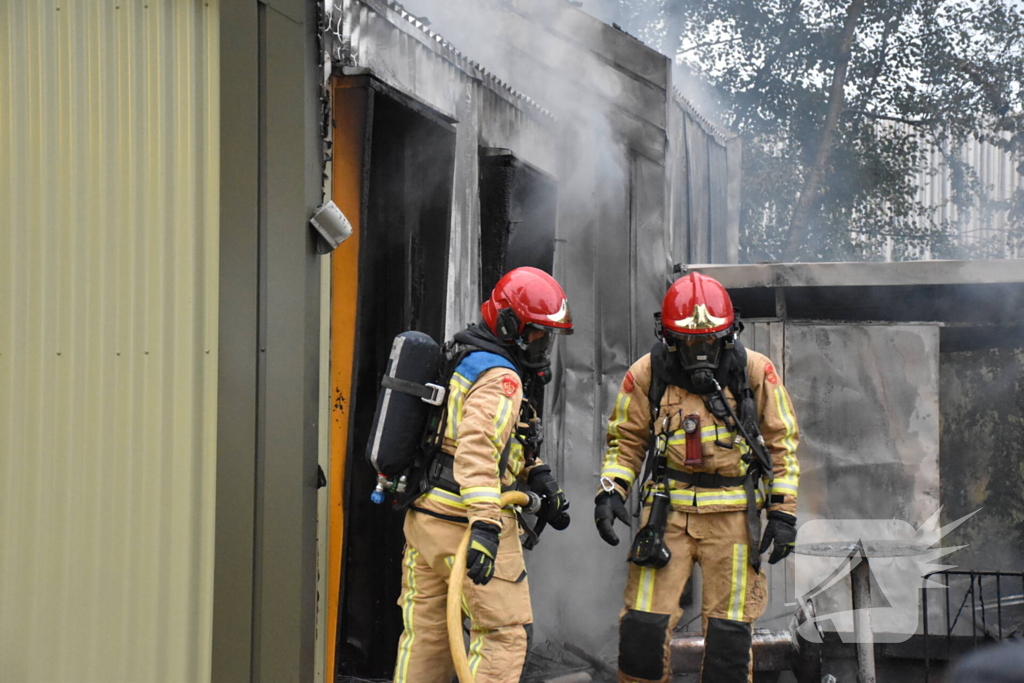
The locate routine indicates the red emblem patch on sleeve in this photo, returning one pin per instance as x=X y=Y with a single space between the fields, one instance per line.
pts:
x=509 y=386
x=628 y=383
x=769 y=374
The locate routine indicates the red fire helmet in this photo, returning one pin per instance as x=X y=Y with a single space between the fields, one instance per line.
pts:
x=526 y=296
x=697 y=305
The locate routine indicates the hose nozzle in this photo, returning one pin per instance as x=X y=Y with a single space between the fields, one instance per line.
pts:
x=533 y=505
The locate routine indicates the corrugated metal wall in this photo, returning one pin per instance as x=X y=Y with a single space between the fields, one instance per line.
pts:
x=108 y=328
x=705 y=188
x=997 y=173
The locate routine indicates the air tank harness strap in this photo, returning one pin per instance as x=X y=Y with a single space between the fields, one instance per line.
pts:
x=430 y=393
x=442 y=472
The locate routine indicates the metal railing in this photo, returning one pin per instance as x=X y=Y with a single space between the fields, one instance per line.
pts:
x=986 y=614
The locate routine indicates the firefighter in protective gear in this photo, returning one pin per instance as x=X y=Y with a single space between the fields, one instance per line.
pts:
x=708 y=477
x=481 y=458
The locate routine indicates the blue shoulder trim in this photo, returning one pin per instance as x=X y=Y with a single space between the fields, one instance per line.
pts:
x=476 y=363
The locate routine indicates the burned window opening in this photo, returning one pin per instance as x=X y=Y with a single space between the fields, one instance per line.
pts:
x=518 y=213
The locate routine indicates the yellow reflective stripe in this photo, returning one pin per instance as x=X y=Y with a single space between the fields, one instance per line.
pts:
x=472 y=494
x=789 y=436
x=405 y=645
x=780 y=486
x=708 y=434
x=620 y=472
x=645 y=589
x=461 y=381
x=476 y=651
x=729 y=496
x=738 y=596
x=500 y=420
x=611 y=467
x=516 y=459
x=620 y=415
x=677 y=440
x=446 y=497
x=456 y=397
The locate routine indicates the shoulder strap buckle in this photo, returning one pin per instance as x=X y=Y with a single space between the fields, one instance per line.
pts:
x=428 y=393
x=437 y=393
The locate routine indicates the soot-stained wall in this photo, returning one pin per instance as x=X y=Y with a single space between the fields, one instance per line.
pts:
x=982 y=455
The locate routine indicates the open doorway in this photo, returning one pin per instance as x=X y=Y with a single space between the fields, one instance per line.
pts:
x=399 y=163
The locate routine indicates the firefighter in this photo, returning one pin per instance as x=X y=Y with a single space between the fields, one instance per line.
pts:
x=482 y=457
x=692 y=414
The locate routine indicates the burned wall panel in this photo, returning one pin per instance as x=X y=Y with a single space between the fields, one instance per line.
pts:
x=866 y=398
x=982 y=436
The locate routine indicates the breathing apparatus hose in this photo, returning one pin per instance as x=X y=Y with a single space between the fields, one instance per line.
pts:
x=455 y=581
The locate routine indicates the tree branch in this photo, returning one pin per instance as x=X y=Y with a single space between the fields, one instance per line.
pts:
x=712 y=43
x=886 y=117
x=812 y=182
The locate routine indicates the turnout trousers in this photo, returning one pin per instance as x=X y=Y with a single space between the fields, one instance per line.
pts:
x=500 y=615
x=734 y=595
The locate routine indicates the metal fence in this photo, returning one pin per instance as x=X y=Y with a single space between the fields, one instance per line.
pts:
x=979 y=606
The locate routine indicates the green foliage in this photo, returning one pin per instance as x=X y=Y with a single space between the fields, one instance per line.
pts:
x=925 y=77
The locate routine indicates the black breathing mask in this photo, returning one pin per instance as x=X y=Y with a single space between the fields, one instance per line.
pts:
x=535 y=355
x=699 y=356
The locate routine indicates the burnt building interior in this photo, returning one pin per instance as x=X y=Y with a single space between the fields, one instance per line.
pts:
x=907 y=382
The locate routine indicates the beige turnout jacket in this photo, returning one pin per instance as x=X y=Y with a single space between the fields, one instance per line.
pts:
x=629 y=433
x=482 y=418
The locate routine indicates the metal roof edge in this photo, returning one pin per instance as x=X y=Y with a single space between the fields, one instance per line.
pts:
x=711 y=129
x=854 y=274
x=444 y=48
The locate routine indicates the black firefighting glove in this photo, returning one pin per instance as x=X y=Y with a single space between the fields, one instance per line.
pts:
x=483 y=548
x=554 y=506
x=609 y=506
x=781 y=529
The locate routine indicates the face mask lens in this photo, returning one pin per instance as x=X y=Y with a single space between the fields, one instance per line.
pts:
x=699 y=351
x=537 y=353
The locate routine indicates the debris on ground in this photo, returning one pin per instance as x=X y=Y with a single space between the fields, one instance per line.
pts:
x=566 y=663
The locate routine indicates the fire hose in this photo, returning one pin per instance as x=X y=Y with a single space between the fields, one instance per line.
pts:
x=530 y=501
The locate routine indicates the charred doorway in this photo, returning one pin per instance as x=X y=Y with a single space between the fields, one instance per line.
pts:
x=404 y=180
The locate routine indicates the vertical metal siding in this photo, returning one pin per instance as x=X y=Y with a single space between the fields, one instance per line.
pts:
x=108 y=326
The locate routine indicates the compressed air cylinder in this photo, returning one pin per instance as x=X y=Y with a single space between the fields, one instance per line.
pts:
x=400 y=418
